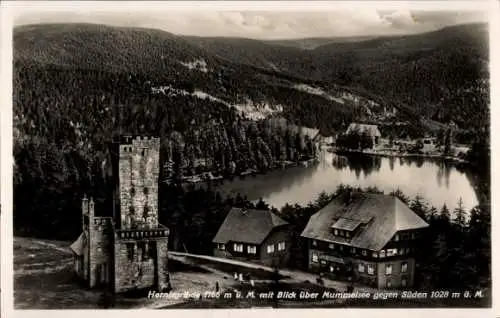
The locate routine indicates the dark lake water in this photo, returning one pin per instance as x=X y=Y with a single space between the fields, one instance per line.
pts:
x=436 y=181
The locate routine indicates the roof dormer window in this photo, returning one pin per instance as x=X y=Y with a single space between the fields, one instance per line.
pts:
x=345 y=227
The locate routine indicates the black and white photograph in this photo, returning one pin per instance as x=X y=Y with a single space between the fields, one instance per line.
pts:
x=231 y=157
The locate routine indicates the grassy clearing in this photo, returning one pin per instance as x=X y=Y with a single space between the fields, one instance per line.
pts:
x=44 y=279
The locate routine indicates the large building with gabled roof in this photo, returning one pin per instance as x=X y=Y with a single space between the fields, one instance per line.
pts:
x=254 y=235
x=369 y=237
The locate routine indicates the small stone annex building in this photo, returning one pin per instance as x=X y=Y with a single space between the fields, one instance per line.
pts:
x=367 y=236
x=253 y=235
x=122 y=245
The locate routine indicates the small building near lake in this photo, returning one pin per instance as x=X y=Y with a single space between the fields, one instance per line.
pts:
x=258 y=236
x=370 y=238
x=371 y=130
x=428 y=145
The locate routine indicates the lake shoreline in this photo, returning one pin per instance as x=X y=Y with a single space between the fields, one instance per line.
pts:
x=252 y=172
x=399 y=155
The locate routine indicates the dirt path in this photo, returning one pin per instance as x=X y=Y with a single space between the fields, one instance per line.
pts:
x=53 y=246
x=291 y=275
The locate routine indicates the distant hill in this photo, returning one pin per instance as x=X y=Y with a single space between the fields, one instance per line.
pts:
x=312 y=43
x=419 y=71
x=162 y=59
x=94 y=46
x=417 y=74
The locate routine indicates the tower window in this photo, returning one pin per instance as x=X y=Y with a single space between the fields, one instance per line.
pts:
x=130 y=251
x=146 y=191
x=132 y=191
x=146 y=210
x=142 y=251
x=131 y=210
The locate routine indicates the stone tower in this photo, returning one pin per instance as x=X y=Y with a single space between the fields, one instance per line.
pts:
x=139 y=162
x=140 y=242
x=127 y=251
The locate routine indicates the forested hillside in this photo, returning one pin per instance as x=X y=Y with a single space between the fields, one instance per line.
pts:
x=412 y=71
x=71 y=82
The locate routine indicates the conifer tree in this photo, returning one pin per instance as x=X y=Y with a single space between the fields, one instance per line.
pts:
x=460 y=218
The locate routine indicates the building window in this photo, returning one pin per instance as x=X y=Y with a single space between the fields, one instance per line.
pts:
x=146 y=191
x=336 y=232
x=388 y=269
x=353 y=250
x=407 y=251
x=371 y=269
x=132 y=191
x=401 y=251
x=403 y=281
x=238 y=247
x=347 y=234
x=396 y=237
x=341 y=248
x=314 y=243
x=412 y=236
x=315 y=258
x=331 y=246
x=221 y=247
x=281 y=246
x=404 y=267
x=375 y=255
x=361 y=268
x=389 y=283
x=130 y=251
x=252 y=249
x=323 y=262
x=392 y=252
x=364 y=253
x=382 y=253
x=270 y=249
x=99 y=249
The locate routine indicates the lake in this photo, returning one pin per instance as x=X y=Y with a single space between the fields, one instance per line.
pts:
x=436 y=181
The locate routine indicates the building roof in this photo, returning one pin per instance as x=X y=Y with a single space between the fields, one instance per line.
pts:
x=80 y=243
x=247 y=226
x=371 y=130
x=381 y=217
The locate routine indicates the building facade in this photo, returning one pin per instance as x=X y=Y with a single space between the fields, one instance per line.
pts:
x=258 y=236
x=366 y=237
x=371 y=131
x=127 y=250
